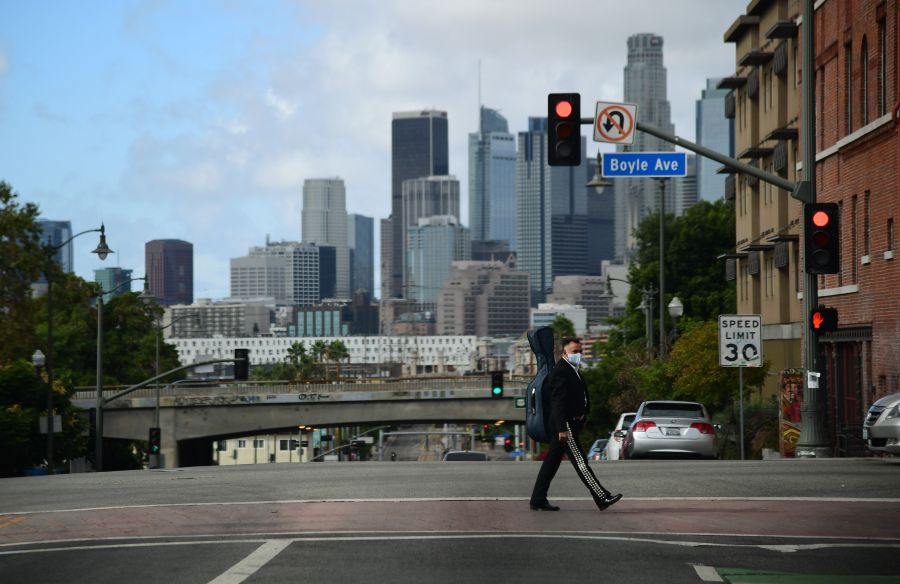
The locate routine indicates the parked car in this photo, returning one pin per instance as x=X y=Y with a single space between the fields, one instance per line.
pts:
x=598 y=450
x=617 y=436
x=465 y=456
x=881 y=429
x=671 y=428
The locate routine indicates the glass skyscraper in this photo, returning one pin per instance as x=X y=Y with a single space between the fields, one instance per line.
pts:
x=551 y=212
x=169 y=266
x=715 y=132
x=54 y=233
x=325 y=224
x=492 y=180
x=361 y=240
x=110 y=278
x=426 y=197
x=432 y=247
x=419 y=148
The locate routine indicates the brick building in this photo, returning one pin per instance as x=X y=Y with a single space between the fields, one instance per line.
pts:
x=857 y=166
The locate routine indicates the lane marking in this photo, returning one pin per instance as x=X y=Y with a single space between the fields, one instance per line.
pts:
x=252 y=563
x=277 y=545
x=461 y=499
x=707 y=573
x=13 y=521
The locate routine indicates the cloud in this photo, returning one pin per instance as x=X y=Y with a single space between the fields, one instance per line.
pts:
x=4 y=64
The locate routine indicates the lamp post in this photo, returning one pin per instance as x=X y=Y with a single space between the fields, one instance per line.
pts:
x=676 y=309
x=98 y=429
x=102 y=250
x=662 y=270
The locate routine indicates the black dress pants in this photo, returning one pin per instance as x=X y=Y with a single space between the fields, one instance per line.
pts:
x=551 y=464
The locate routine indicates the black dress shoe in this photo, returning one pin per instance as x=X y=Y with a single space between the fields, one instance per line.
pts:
x=606 y=501
x=545 y=506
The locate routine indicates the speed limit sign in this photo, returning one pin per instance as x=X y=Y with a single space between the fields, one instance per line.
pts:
x=740 y=340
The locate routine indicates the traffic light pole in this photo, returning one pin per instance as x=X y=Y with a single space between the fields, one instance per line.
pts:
x=812 y=442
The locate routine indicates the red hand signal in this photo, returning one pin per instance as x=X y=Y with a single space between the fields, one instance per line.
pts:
x=817 y=320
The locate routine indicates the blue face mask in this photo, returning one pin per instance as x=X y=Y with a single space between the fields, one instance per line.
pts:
x=574 y=359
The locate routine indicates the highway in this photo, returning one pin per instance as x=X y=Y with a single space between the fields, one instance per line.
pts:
x=448 y=522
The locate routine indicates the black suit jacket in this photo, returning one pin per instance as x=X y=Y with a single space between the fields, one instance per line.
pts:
x=568 y=396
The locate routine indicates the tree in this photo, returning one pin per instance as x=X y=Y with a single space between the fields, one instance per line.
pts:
x=22 y=260
x=562 y=328
x=337 y=351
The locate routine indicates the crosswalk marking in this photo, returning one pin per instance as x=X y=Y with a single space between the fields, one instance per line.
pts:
x=252 y=563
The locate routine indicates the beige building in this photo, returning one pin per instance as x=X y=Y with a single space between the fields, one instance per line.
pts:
x=587 y=291
x=267 y=448
x=229 y=319
x=485 y=299
x=765 y=104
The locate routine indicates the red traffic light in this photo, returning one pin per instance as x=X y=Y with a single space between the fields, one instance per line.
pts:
x=564 y=108
x=821 y=218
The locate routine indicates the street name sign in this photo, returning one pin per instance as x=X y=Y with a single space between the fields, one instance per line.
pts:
x=740 y=340
x=614 y=122
x=649 y=164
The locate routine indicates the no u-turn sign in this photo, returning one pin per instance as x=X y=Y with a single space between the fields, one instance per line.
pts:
x=740 y=340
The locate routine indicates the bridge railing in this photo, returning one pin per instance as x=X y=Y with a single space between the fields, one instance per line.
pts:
x=397 y=386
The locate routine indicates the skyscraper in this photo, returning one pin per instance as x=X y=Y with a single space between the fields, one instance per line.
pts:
x=686 y=187
x=292 y=273
x=419 y=148
x=325 y=224
x=54 y=233
x=431 y=248
x=110 y=278
x=169 y=266
x=426 y=197
x=716 y=132
x=361 y=241
x=486 y=299
x=551 y=212
x=492 y=180
x=601 y=223
x=645 y=85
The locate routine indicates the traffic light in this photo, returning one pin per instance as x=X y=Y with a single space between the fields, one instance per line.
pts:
x=241 y=364
x=821 y=236
x=155 y=440
x=564 y=129
x=496 y=383
x=824 y=319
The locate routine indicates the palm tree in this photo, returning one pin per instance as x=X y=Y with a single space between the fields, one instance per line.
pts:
x=337 y=351
x=319 y=348
x=295 y=353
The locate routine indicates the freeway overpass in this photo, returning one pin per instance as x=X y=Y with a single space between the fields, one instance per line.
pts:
x=193 y=417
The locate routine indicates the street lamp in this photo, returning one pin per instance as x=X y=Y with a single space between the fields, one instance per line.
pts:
x=598 y=181
x=676 y=309
x=98 y=430
x=102 y=250
x=662 y=270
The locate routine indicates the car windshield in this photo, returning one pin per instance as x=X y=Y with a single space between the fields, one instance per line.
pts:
x=672 y=410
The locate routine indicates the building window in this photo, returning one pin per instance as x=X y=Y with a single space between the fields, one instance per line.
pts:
x=242 y=444
x=282 y=445
x=258 y=443
x=841 y=217
x=864 y=83
x=866 y=225
x=854 y=241
x=882 y=67
x=890 y=234
x=848 y=88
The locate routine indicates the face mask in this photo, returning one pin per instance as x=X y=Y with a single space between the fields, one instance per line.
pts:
x=574 y=358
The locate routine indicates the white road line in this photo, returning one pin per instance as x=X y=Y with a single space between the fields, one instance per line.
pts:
x=458 y=499
x=707 y=573
x=252 y=563
x=272 y=547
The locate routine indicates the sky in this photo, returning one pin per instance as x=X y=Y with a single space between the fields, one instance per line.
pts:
x=200 y=119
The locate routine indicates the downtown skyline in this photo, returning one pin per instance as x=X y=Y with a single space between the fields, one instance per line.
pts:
x=163 y=133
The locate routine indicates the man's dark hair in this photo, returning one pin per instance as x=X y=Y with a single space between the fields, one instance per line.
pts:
x=567 y=340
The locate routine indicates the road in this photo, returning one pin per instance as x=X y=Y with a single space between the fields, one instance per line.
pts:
x=448 y=522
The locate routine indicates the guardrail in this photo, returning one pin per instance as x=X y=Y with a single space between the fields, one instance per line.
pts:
x=398 y=387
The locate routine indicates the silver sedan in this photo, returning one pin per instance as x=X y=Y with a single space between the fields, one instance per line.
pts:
x=671 y=428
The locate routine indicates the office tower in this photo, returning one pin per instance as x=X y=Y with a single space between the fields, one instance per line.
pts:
x=601 y=223
x=169 y=266
x=645 y=85
x=686 y=187
x=228 y=318
x=492 y=180
x=486 y=299
x=716 y=132
x=325 y=224
x=493 y=250
x=419 y=148
x=586 y=291
x=426 y=197
x=551 y=212
x=387 y=257
x=110 y=279
x=54 y=233
x=431 y=247
x=361 y=241
x=291 y=273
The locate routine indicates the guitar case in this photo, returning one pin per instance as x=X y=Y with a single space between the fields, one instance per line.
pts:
x=537 y=407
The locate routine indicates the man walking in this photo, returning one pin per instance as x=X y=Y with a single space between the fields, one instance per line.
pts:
x=568 y=411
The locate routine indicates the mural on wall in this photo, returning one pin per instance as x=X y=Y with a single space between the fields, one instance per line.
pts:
x=789 y=412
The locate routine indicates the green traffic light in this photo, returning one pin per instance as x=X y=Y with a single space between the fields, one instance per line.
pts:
x=497 y=391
